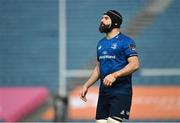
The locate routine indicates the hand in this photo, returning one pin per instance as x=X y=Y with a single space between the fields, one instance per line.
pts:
x=108 y=80
x=83 y=93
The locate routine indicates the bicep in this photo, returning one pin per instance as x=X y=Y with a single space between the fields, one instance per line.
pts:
x=97 y=66
x=133 y=60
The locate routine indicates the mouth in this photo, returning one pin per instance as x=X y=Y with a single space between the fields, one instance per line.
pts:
x=102 y=24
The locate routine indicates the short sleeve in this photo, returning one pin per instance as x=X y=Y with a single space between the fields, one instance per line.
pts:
x=97 y=58
x=130 y=48
x=97 y=54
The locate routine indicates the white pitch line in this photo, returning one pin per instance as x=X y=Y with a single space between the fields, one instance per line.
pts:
x=160 y=72
x=78 y=73
x=143 y=72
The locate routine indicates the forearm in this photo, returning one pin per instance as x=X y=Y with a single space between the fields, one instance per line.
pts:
x=93 y=77
x=131 y=67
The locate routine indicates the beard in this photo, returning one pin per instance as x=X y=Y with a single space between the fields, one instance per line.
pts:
x=104 y=28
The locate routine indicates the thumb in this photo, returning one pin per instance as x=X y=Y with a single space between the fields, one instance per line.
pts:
x=83 y=95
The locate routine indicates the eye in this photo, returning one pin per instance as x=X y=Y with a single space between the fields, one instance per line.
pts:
x=106 y=18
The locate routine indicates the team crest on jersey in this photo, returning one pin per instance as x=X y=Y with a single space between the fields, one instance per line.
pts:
x=114 y=46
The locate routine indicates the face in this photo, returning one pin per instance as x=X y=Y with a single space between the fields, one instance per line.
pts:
x=105 y=24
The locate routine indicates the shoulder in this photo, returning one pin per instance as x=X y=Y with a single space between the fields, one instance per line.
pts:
x=101 y=40
x=126 y=40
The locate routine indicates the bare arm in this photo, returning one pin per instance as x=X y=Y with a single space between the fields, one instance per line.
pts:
x=92 y=79
x=132 y=66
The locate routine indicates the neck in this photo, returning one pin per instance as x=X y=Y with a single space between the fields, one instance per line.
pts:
x=113 y=33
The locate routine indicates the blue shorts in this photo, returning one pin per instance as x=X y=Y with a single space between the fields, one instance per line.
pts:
x=113 y=106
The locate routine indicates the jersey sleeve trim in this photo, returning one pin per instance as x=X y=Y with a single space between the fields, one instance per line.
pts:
x=131 y=55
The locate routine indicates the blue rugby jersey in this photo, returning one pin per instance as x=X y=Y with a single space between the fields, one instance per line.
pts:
x=112 y=55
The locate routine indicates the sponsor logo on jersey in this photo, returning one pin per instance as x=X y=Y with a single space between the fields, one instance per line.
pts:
x=107 y=57
x=132 y=47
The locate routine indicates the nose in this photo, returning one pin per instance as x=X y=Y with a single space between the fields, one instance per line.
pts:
x=102 y=20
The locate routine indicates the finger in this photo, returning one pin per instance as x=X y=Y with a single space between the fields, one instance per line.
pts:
x=110 y=84
x=83 y=95
x=84 y=99
x=105 y=82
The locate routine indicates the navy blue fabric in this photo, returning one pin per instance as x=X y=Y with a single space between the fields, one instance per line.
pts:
x=113 y=106
x=112 y=55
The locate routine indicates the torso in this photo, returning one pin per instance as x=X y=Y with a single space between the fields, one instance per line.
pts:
x=112 y=56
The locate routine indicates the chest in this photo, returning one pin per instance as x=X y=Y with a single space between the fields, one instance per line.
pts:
x=109 y=48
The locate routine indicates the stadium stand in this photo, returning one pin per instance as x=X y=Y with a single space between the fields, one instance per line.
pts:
x=29 y=43
x=83 y=23
x=158 y=46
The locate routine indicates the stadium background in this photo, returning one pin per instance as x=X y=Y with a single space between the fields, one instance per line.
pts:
x=31 y=54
